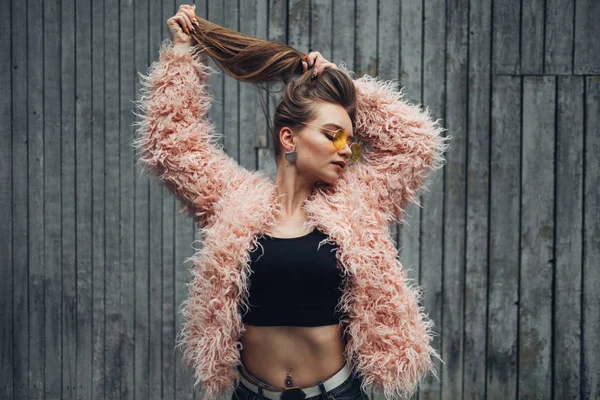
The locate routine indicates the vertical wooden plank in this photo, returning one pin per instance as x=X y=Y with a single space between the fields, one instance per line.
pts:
x=142 y=182
x=231 y=126
x=7 y=355
x=478 y=178
x=503 y=297
x=506 y=34
x=277 y=29
x=321 y=31
x=455 y=199
x=433 y=36
x=52 y=202
x=410 y=38
x=112 y=322
x=558 y=57
x=249 y=102
x=98 y=207
x=70 y=372
x=532 y=37
x=366 y=37
x=537 y=238
x=155 y=238
x=590 y=375
x=35 y=203
x=298 y=25
x=587 y=47
x=568 y=248
x=20 y=217
x=344 y=34
x=126 y=305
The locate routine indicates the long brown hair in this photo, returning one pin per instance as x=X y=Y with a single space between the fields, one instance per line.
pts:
x=261 y=61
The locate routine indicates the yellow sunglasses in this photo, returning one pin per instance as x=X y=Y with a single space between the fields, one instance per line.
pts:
x=340 y=138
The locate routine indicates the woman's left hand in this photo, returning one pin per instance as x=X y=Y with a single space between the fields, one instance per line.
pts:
x=316 y=63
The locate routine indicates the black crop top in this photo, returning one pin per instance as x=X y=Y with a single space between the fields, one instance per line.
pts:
x=292 y=283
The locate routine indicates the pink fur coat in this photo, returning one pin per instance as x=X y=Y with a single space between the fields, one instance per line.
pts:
x=389 y=335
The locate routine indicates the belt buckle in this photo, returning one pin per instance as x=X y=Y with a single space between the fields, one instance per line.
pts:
x=293 y=393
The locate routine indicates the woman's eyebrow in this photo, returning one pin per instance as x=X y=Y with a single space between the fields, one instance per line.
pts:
x=331 y=124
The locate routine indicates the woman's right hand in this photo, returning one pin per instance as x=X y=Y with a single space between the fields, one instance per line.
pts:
x=181 y=24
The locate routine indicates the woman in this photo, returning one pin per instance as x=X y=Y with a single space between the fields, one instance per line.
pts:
x=297 y=291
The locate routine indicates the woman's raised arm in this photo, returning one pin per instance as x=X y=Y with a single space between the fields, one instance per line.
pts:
x=174 y=138
x=404 y=145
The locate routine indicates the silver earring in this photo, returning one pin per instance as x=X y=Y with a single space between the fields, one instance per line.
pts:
x=291 y=156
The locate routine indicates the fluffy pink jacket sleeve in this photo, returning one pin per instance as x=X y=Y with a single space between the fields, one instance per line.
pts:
x=404 y=145
x=174 y=138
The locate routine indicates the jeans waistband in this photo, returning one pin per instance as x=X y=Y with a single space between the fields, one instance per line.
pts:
x=337 y=379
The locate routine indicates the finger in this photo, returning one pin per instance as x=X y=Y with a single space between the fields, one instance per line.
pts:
x=188 y=22
x=191 y=15
x=323 y=66
x=304 y=66
x=181 y=23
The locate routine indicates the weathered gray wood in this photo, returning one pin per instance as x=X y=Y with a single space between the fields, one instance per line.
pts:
x=249 y=100
x=455 y=200
x=112 y=282
x=558 y=54
x=231 y=103
x=277 y=31
x=503 y=264
x=537 y=236
x=35 y=200
x=506 y=37
x=68 y=217
x=126 y=287
x=366 y=37
x=587 y=30
x=478 y=196
x=344 y=17
x=431 y=270
x=92 y=254
x=532 y=37
x=7 y=356
x=52 y=202
x=144 y=56
x=321 y=28
x=90 y=347
x=568 y=247
x=20 y=216
x=590 y=374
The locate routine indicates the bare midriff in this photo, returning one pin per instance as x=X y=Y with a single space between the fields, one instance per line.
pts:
x=309 y=354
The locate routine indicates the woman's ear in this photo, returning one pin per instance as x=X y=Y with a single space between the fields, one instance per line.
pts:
x=287 y=139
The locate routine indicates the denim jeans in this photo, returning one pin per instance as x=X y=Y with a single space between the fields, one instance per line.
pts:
x=347 y=390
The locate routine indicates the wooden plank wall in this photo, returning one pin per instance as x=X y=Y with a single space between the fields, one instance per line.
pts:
x=506 y=245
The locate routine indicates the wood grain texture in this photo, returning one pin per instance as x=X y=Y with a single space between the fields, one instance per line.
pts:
x=568 y=244
x=503 y=264
x=431 y=267
x=505 y=246
x=455 y=216
x=478 y=197
x=587 y=49
x=590 y=375
x=537 y=237
x=7 y=356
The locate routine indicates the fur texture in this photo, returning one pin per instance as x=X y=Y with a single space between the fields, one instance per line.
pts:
x=389 y=334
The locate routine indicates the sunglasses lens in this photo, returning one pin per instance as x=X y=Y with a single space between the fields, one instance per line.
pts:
x=356 y=152
x=339 y=139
